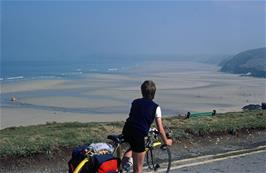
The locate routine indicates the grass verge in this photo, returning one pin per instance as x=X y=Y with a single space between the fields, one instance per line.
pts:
x=51 y=137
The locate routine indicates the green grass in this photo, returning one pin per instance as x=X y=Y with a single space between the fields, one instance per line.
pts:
x=228 y=123
x=52 y=137
x=25 y=141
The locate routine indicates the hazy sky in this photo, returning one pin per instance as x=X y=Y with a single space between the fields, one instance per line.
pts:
x=76 y=29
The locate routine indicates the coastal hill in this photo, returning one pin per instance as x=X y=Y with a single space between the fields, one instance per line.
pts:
x=250 y=63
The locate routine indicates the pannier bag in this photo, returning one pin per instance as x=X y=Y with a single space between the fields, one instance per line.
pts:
x=101 y=163
x=78 y=154
x=106 y=163
x=98 y=147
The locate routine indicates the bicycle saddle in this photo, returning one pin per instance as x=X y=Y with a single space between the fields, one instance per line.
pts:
x=116 y=138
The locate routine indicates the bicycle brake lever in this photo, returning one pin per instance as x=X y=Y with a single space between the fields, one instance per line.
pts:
x=164 y=146
x=168 y=135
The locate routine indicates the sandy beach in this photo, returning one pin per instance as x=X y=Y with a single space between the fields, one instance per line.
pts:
x=181 y=87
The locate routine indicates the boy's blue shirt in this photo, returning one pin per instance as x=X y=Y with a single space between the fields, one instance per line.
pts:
x=142 y=115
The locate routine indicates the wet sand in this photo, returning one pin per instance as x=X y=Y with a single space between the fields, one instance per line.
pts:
x=181 y=87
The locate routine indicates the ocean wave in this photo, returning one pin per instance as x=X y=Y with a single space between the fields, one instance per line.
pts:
x=46 y=77
x=76 y=73
x=60 y=75
x=112 y=69
x=72 y=73
x=15 y=78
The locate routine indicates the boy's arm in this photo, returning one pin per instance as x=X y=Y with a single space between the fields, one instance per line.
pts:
x=161 y=130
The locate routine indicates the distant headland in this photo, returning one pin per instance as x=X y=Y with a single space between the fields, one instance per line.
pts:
x=248 y=63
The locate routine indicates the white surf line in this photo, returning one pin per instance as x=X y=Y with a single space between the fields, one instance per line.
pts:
x=246 y=151
x=220 y=154
x=215 y=160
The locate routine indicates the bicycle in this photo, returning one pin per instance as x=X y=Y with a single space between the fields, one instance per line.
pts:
x=157 y=157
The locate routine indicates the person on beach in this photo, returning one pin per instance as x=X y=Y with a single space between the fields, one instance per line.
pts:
x=142 y=114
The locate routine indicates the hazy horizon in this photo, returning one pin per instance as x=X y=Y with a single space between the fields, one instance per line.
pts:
x=37 y=30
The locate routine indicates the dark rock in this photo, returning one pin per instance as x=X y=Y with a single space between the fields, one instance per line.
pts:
x=251 y=107
x=13 y=99
x=263 y=106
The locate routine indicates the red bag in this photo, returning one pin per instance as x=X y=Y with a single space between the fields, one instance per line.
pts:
x=109 y=166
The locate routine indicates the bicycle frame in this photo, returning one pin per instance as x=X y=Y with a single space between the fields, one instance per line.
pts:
x=149 y=147
x=150 y=144
x=81 y=164
x=155 y=144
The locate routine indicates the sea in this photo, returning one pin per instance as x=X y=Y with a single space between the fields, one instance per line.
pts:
x=190 y=86
x=18 y=70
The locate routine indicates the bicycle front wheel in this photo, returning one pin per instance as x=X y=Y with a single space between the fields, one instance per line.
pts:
x=158 y=159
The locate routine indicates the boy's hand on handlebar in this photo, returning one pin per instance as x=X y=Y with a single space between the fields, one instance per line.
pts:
x=169 y=142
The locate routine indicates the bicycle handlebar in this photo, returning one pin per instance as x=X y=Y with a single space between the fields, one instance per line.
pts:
x=156 y=132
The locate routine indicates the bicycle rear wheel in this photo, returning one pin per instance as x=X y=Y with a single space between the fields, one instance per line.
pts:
x=158 y=159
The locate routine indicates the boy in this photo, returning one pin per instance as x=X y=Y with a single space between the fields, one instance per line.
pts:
x=142 y=114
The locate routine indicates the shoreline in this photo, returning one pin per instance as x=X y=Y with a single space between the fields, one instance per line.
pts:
x=181 y=87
